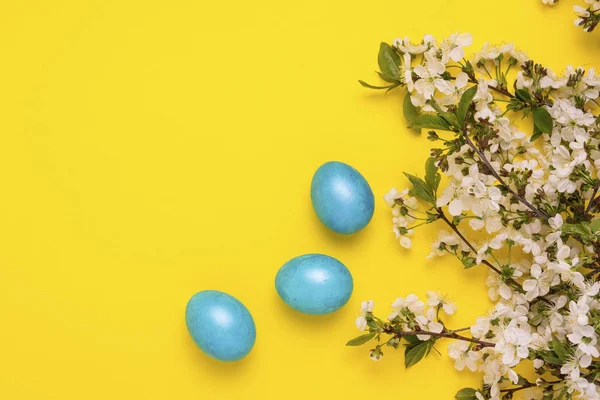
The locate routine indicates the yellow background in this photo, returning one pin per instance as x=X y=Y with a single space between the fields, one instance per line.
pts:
x=153 y=149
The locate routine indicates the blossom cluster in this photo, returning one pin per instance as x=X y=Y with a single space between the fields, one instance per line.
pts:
x=522 y=204
x=587 y=17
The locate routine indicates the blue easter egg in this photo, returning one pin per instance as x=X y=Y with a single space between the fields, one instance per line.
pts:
x=341 y=197
x=220 y=325
x=314 y=284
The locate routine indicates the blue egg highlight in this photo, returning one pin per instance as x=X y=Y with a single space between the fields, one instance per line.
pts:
x=314 y=284
x=341 y=197
x=220 y=325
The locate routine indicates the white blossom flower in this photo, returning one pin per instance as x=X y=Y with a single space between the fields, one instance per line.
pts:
x=491 y=53
x=453 y=46
x=406 y=46
x=435 y=299
x=456 y=197
x=572 y=366
x=430 y=79
x=556 y=222
x=428 y=323
x=498 y=288
x=481 y=327
x=463 y=357
x=411 y=302
x=585 y=339
x=459 y=88
x=512 y=343
x=444 y=240
x=366 y=307
x=539 y=285
x=394 y=195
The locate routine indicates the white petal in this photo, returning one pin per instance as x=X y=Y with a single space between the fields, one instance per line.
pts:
x=436 y=327
x=585 y=361
x=529 y=284
x=449 y=308
x=444 y=86
x=512 y=375
x=476 y=223
x=405 y=242
x=461 y=80
x=457 y=54
x=455 y=207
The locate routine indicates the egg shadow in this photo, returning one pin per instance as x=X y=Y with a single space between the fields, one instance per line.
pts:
x=306 y=322
x=211 y=368
x=338 y=239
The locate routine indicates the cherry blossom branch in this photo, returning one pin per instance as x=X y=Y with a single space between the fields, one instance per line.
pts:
x=499 y=178
x=485 y=262
x=464 y=239
x=491 y=87
x=556 y=103
x=529 y=385
x=516 y=389
x=444 y=334
x=461 y=329
x=496 y=89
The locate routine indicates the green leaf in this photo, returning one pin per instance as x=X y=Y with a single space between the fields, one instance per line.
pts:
x=464 y=104
x=550 y=358
x=387 y=78
x=362 y=339
x=582 y=229
x=523 y=95
x=412 y=339
x=435 y=106
x=466 y=394
x=536 y=134
x=365 y=84
x=420 y=189
x=542 y=120
x=432 y=177
x=595 y=225
x=389 y=61
x=469 y=262
x=450 y=118
x=414 y=354
x=410 y=111
x=372 y=324
x=429 y=121
x=561 y=350
x=393 y=87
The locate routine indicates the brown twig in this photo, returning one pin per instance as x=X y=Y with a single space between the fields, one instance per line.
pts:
x=443 y=334
x=485 y=262
x=464 y=239
x=527 y=386
x=499 y=178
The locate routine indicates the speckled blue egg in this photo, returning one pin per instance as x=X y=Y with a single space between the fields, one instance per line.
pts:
x=220 y=325
x=314 y=284
x=341 y=197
